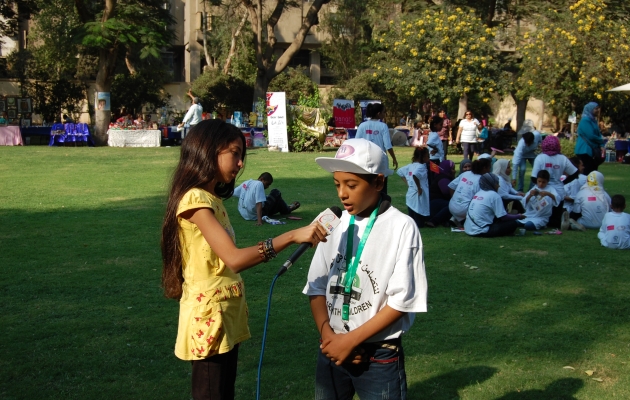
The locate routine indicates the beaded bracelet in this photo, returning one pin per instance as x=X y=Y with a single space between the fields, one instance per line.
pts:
x=270 y=252
x=261 y=251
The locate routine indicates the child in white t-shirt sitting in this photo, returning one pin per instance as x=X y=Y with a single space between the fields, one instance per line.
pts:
x=486 y=215
x=591 y=203
x=571 y=190
x=539 y=203
x=365 y=283
x=253 y=204
x=615 y=230
x=416 y=178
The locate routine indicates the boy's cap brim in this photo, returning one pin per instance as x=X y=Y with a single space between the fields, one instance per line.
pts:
x=337 y=165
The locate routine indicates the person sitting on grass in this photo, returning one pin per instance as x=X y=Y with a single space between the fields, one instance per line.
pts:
x=366 y=284
x=440 y=195
x=502 y=169
x=552 y=160
x=486 y=215
x=465 y=165
x=415 y=176
x=615 y=230
x=539 y=203
x=253 y=204
x=572 y=188
x=464 y=187
x=591 y=204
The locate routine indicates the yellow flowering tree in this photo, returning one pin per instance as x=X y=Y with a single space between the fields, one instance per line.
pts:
x=440 y=55
x=574 y=57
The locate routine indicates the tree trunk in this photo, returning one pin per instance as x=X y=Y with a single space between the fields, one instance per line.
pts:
x=267 y=66
x=130 y=66
x=521 y=108
x=235 y=35
x=463 y=107
x=104 y=76
x=261 y=86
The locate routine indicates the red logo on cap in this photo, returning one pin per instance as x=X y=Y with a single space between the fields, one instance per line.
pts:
x=344 y=151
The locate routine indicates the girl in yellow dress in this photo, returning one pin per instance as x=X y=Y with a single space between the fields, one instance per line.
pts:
x=201 y=263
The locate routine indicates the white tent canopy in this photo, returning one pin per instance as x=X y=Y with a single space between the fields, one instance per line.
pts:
x=623 y=88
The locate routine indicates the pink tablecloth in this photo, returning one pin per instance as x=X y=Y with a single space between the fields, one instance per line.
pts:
x=10 y=136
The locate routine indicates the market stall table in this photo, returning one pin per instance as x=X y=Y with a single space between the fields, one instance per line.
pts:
x=10 y=136
x=70 y=134
x=134 y=138
x=40 y=133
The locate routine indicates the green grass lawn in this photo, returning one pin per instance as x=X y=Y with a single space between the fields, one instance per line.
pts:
x=83 y=316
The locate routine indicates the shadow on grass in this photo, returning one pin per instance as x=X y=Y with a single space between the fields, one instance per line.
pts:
x=448 y=385
x=90 y=277
x=562 y=389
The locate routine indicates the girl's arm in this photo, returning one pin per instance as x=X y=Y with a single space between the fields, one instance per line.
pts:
x=459 y=133
x=417 y=181
x=237 y=259
x=340 y=346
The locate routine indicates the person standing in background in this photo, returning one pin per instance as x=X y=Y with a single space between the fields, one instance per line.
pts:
x=193 y=116
x=589 y=139
x=377 y=132
x=445 y=132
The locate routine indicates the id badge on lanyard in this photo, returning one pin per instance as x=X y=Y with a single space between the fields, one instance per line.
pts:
x=352 y=263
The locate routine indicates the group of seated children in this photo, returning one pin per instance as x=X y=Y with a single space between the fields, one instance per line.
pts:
x=485 y=204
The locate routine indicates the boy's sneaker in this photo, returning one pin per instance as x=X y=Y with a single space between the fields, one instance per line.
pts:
x=564 y=226
x=576 y=225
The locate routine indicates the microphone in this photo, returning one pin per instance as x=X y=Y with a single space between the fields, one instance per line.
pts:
x=329 y=220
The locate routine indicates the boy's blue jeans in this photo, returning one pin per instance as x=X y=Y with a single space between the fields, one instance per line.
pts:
x=522 y=167
x=382 y=377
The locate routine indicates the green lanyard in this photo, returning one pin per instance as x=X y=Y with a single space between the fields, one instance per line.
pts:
x=353 y=262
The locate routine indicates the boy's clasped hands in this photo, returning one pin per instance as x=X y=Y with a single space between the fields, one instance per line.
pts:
x=341 y=347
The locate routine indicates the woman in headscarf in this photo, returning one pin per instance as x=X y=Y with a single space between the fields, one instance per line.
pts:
x=465 y=165
x=591 y=203
x=590 y=140
x=502 y=168
x=557 y=165
x=440 y=194
x=486 y=215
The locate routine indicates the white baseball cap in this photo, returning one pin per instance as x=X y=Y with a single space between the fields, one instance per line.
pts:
x=358 y=156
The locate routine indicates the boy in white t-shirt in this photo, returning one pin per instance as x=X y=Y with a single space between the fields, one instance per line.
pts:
x=615 y=230
x=365 y=283
x=539 y=203
x=253 y=204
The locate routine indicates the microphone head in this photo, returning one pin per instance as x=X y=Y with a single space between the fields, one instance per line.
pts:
x=336 y=210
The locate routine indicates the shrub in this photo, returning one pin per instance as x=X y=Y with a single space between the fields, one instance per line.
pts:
x=295 y=84
x=567 y=147
x=218 y=91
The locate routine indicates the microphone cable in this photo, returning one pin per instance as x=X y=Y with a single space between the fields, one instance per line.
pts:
x=301 y=249
x=264 y=338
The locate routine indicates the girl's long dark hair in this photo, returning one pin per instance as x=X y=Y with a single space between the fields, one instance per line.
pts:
x=196 y=168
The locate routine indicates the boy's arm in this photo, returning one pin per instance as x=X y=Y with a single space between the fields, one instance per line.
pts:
x=320 y=315
x=259 y=214
x=339 y=347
